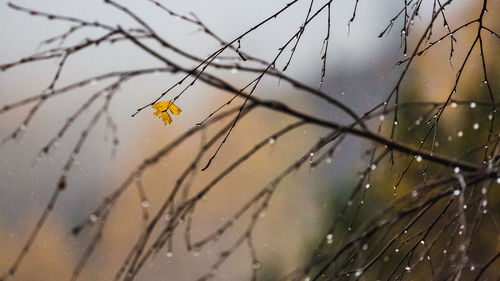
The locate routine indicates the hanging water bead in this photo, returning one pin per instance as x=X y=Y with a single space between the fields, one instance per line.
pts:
x=472 y=105
x=460 y=134
x=456 y=170
x=373 y=167
x=364 y=247
x=169 y=254
x=418 y=158
x=272 y=140
x=456 y=192
x=407 y=268
x=329 y=238
x=234 y=70
x=475 y=126
x=381 y=117
x=453 y=104
x=145 y=204
x=93 y=218
x=367 y=186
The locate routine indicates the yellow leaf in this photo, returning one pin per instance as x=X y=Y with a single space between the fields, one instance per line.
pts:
x=161 y=109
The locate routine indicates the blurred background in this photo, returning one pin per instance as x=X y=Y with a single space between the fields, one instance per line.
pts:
x=360 y=73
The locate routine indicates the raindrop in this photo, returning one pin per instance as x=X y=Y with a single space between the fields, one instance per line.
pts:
x=465 y=206
x=145 y=204
x=472 y=268
x=329 y=160
x=234 y=70
x=196 y=253
x=418 y=158
x=272 y=140
x=397 y=250
x=472 y=105
x=329 y=236
x=358 y=273
x=364 y=247
x=169 y=254
x=373 y=167
x=256 y=265
x=381 y=117
x=456 y=170
x=453 y=104
x=475 y=126
x=93 y=218
x=483 y=190
x=422 y=242
x=396 y=122
x=407 y=268
x=367 y=186
x=386 y=259
x=498 y=180
x=262 y=214
x=93 y=82
x=460 y=134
